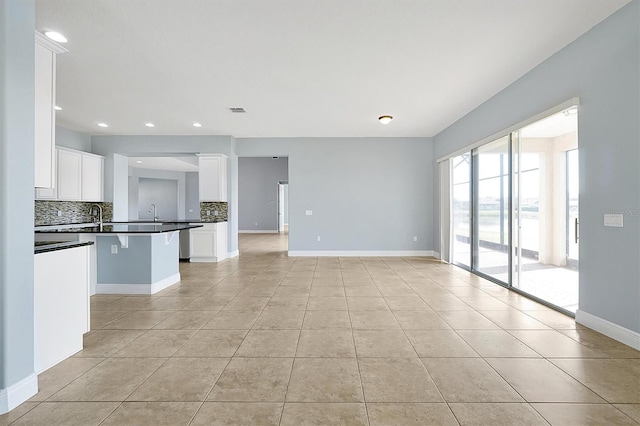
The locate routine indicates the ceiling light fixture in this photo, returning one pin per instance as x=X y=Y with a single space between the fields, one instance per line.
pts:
x=138 y=161
x=385 y=119
x=149 y=124
x=103 y=124
x=56 y=36
x=196 y=124
x=57 y=108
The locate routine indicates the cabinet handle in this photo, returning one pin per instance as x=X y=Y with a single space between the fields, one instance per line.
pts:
x=575 y=230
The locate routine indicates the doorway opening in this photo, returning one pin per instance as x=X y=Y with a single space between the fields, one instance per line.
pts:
x=283 y=207
x=263 y=200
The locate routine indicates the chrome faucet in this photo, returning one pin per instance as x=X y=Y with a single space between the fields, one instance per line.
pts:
x=98 y=207
x=153 y=207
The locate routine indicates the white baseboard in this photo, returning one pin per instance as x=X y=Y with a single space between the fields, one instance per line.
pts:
x=608 y=328
x=362 y=253
x=436 y=255
x=233 y=254
x=138 y=288
x=258 y=231
x=18 y=393
x=204 y=260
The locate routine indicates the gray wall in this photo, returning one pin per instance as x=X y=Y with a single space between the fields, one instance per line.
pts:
x=365 y=193
x=140 y=212
x=17 y=23
x=163 y=193
x=72 y=139
x=258 y=192
x=286 y=204
x=602 y=68
x=191 y=196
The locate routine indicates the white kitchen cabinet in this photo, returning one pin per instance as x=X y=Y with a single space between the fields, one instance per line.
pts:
x=45 y=119
x=69 y=175
x=61 y=305
x=92 y=177
x=209 y=243
x=79 y=177
x=212 y=175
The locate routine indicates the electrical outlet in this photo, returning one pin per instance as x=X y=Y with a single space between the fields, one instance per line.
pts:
x=255 y=224
x=59 y=213
x=190 y=210
x=318 y=238
x=308 y=212
x=415 y=238
x=114 y=249
x=215 y=212
x=208 y=212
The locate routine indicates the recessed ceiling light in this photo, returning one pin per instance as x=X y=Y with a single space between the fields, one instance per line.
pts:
x=103 y=124
x=197 y=124
x=385 y=119
x=57 y=108
x=56 y=36
x=138 y=161
x=237 y=110
x=149 y=124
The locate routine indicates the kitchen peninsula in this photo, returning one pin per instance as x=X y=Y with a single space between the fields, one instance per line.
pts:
x=128 y=258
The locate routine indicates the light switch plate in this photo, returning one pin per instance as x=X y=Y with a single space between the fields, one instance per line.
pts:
x=308 y=212
x=614 y=219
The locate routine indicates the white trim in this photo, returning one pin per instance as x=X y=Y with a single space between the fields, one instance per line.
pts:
x=138 y=288
x=234 y=253
x=362 y=253
x=436 y=255
x=610 y=329
x=258 y=231
x=566 y=104
x=18 y=393
x=45 y=41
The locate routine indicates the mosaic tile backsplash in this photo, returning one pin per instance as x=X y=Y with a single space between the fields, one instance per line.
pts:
x=212 y=206
x=46 y=212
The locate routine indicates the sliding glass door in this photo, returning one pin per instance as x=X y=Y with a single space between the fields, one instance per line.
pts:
x=491 y=205
x=515 y=210
x=461 y=210
x=546 y=214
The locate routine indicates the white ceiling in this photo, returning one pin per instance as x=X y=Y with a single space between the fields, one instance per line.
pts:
x=299 y=67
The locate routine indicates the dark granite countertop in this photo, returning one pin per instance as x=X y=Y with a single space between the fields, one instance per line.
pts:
x=180 y=221
x=120 y=228
x=46 y=246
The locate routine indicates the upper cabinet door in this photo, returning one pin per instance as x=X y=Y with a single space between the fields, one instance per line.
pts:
x=45 y=120
x=212 y=177
x=69 y=175
x=92 y=166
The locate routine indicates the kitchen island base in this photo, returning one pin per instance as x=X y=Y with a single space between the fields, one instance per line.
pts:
x=136 y=264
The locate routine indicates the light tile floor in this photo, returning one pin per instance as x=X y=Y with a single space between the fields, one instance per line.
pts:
x=265 y=339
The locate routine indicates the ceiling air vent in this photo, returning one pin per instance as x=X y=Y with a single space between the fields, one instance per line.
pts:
x=238 y=110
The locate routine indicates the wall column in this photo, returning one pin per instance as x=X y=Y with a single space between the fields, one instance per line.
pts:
x=18 y=381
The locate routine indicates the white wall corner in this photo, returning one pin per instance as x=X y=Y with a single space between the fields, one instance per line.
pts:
x=609 y=329
x=18 y=393
x=233 y=254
